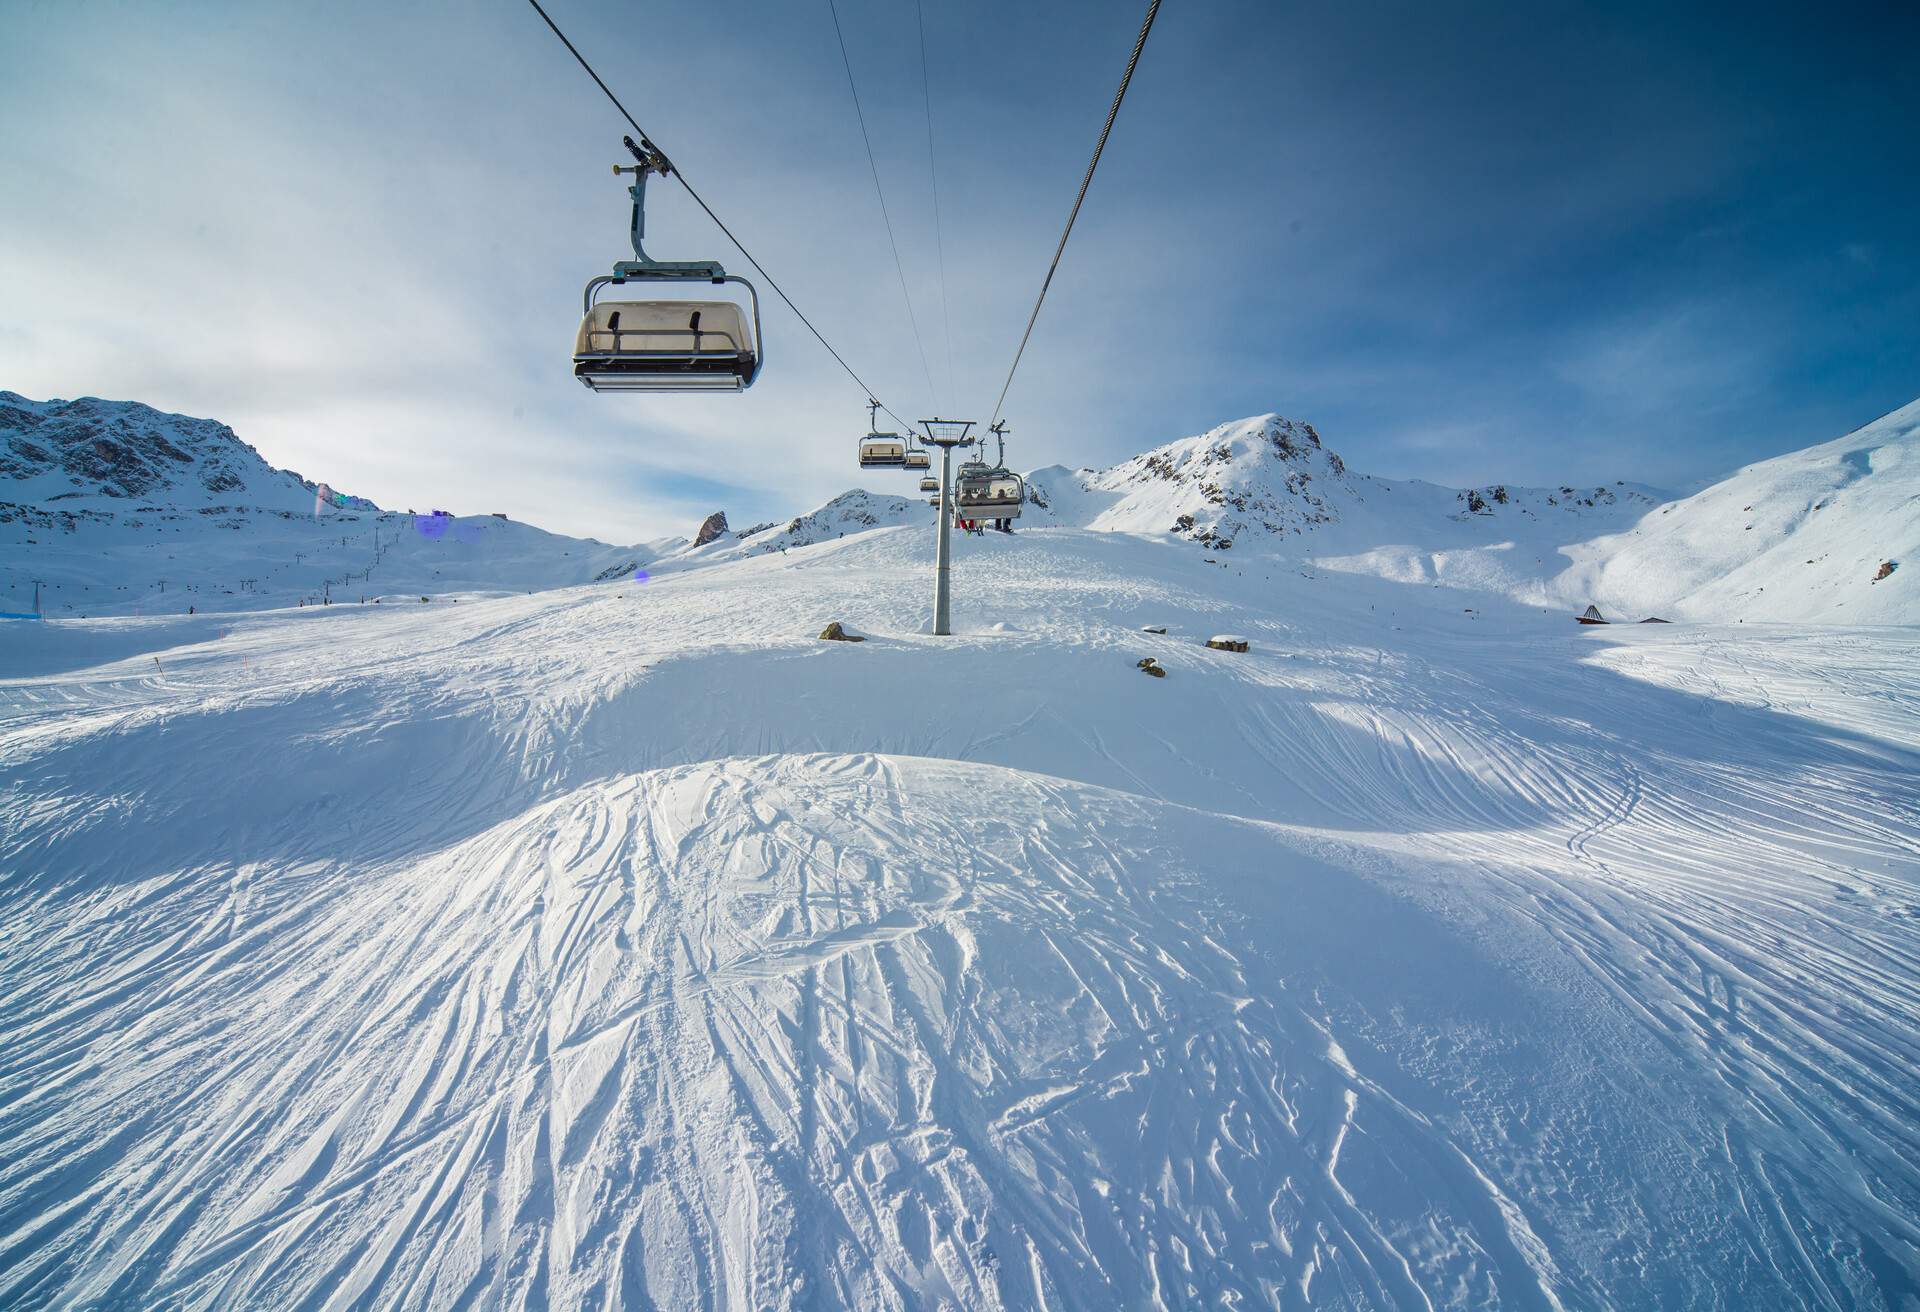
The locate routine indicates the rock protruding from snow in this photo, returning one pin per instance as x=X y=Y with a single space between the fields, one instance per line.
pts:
x=1151 y=666
x=712 y=528
x=1228 y=642
x=838 y=632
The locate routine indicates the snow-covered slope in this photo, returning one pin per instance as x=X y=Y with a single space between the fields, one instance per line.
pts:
x=1805 y=536
x=629 y=947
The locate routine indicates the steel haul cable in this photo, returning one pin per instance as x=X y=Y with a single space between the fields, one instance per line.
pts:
x=912 y=319
x=1153 y=7
x=758 y=267
x=933 y=175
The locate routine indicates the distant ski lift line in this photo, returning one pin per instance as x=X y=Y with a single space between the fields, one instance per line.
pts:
x=707 y=209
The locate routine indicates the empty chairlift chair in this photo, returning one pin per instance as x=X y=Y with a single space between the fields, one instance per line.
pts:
x=918 y=459
x=929 y=484
x=665 y=346
x=883 y=451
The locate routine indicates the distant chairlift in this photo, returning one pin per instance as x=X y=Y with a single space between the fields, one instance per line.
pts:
x=664 y=346
x=881 y=450
x=989 y=492
x=929 y=484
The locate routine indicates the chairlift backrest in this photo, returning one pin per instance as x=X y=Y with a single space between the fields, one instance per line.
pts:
x=882 y=449
x=673 y=327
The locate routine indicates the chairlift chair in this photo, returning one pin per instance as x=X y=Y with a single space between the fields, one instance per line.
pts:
x=918 y=459
x=929 y=484
x=883 y=451
x=985 y=493
x=664 y=346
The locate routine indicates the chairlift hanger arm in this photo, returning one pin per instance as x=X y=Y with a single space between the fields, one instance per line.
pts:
x=642 y=266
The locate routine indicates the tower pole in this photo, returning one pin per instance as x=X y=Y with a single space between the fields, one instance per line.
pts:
x=943 y=547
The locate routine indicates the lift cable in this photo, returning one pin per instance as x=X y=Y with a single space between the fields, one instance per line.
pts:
x=1153 y=7
x=887 y=218
x=933 y=174
x=758 y=267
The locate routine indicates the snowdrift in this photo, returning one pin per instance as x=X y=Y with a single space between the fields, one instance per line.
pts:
x=627 y=946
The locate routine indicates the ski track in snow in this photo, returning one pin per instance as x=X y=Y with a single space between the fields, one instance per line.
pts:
x=627 y=947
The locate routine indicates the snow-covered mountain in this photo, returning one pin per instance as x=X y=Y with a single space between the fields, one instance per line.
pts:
x=1265 y=475
x=65 y=457
x=113 y=507
x=1817 y=535
x=1829 y=534
x=111 y=504
x=854 y=511
x=1257 y=481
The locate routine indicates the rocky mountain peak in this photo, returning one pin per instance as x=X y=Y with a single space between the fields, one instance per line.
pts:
x=98 y=454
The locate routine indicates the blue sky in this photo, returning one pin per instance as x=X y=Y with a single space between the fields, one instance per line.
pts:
x=1470 y=243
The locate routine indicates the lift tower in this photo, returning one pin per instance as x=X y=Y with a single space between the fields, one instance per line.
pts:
x=945 y=434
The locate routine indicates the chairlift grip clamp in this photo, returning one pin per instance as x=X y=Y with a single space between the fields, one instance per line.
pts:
x=650 y=156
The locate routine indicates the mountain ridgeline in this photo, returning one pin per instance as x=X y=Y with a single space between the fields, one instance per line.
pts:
x=91 y=490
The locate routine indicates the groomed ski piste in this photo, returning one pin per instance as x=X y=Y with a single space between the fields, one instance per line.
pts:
x=625 y=945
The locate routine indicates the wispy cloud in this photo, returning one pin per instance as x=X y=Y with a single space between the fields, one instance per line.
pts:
x=1466 y=245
